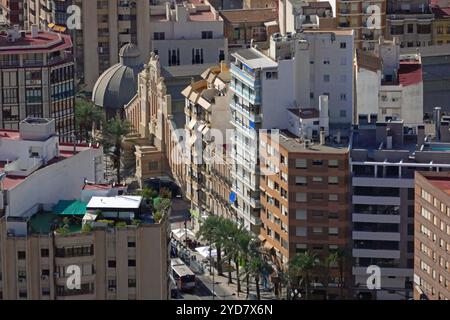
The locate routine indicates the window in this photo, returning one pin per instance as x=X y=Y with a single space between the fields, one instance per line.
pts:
x=33 y=77
x=343 y=45
x=131 y=263
x=45 y=272
x=45 y=291
x=326 y=61
x=197 y=56
x=326 y=78
x=300 y=163
x=21 y=255
x=300 y=197
x=112 y=284
x=333 y=231
x=111 y=263
x=300 y=214
x=300 y=181
x=131 y=283
x=44 y=253
x=343 y=97
x=317 y=162
x=410 y=28
x=131 y=244
x=333 y=180
x=159 y=35
x=333 y=197
x=271 y=75
x=300 y=231
x=333 y=163
x=207 y=34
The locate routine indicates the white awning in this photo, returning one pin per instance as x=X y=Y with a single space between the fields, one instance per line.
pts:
x=181 y=233
x=204 y=251
x=201 y=127
x=205 y=130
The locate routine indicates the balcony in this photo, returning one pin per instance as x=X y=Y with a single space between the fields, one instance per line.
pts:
x=370 y=253
x=245 y=77
x=251 y=97
x=250 y=114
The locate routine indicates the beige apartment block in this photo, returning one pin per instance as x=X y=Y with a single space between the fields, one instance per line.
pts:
x=117 y=263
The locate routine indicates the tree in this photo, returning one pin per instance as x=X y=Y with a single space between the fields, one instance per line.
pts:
x=329 y=263
x=257 y=267
x=86 y=115
x=212 y=231
x=242 y=241
x=303 y=265
x=112 y=135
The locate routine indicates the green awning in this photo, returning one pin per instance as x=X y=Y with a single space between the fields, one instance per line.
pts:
x=70 y=208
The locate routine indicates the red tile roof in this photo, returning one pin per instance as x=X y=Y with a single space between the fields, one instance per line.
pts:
x=441 y=12
x=410 y=73
x=250 y=15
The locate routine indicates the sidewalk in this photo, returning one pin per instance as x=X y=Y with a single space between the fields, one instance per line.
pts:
x=222 y=289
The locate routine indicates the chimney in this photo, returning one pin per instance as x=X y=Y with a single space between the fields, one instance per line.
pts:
x=34 y=31
x=322 y=136
x=420 y=136
x=437 y=122
x=389 y=139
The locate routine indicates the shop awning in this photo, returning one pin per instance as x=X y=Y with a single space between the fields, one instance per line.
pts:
x=204 y=251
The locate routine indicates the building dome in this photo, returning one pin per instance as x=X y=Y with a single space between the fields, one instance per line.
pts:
x=118 y=84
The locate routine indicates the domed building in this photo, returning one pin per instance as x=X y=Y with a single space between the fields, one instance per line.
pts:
x=118 y=85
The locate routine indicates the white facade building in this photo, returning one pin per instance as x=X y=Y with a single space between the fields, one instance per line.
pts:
x=36 y=171
x=298 y=69
x=187 y=34
x=389 y=85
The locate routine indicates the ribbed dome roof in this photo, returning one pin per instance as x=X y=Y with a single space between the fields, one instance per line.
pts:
x=118 y=85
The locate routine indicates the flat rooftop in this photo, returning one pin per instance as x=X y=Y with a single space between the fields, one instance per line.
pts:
x=65 y=151
x=43 y=43
x=255 y=59
x=442 y=183
x=117 y=202
x=292 y=143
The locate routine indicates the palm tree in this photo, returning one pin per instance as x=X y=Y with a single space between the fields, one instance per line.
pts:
x=243 y=239
x=329 y=262
x=112 y=135
x=86 y=115
x=303 y=265
x=256 y=267
x=342 y=260
x=229 y=229
x=211 y=230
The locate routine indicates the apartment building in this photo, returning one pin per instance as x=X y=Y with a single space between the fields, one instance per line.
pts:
x=383 y=159
x=411 y=22
x=37 y=79
x=125 y=258
x=296 y=15
x=33 y=159
x=432 y=236
x=243 y=26
x=106 y=26
x=389 y=85
x=189 y=33
x=13 y=12
x=366 y=18
x=207 y=122
x=441 y=22
x=305 y=201
x=254 y=4
x=266 y=85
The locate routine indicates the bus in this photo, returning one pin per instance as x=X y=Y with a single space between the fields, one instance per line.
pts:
x=183 y=276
